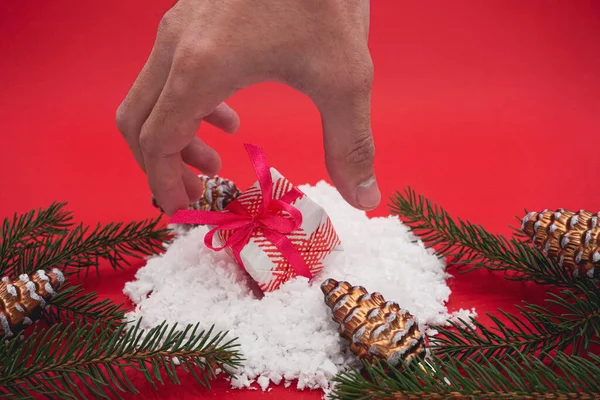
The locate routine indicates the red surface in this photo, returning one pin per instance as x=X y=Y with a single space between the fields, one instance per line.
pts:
x=486 y=107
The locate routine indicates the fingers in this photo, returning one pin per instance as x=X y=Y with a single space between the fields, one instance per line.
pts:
x=224 y=118
x=202 y=157
x=193 y=186
x=141 y=98
x=348 y=140
x=138 y=104
x=166 y=179
x=163 y=160
x=189 y=95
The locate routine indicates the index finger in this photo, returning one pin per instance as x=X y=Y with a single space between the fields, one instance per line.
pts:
x=189 y=95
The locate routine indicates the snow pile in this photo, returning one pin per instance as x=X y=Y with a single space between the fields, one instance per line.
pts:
x=289 y=334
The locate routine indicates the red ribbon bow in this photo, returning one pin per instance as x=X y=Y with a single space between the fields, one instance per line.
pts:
x=268 y=218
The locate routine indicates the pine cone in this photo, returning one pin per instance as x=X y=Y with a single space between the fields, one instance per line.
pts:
x=218 y=193
x=374 y=327
x=21 y=301
x=572 y=238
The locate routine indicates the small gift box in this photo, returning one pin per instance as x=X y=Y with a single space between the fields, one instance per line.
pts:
x=272 y=229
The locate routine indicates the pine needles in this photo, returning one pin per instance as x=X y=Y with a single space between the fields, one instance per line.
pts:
x=568 y=322
x=519 y=377
x=466 y=244
x=72 y=305
x=545 y=352
x=88 y=351
x=66 y=363
x=49 y=239
x=31 y=227
x=570 y=319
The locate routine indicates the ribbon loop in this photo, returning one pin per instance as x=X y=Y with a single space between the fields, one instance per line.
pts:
x=275 y=217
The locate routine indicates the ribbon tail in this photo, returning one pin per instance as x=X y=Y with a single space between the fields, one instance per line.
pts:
x=285 y=246
x=263 y=172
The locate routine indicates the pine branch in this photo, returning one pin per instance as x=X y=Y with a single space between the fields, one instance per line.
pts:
x=71 y=304
x=59 y=363
x=29 y=229
x=464 y=243
x=570 y=321
x=519 y=377
x=82 y=248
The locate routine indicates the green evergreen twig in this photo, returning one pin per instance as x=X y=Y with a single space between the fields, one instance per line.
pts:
x=467 y=244
x=72 y=305
x=63 y=363
x=29 y=229
x=519 y=377
x=92 y=356
x=572 y=318
x=570 y=321
x=82 y=247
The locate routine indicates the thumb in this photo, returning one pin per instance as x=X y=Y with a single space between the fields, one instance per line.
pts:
x=348 y=142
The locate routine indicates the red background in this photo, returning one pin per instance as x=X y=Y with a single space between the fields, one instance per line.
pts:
x=486 y=107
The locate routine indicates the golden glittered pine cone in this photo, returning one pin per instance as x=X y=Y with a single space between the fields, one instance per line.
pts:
x=375 y=328
x=22 y=300
x=572 y=238
x=218 y=193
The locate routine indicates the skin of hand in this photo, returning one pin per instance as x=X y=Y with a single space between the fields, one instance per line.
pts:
x=206 y=50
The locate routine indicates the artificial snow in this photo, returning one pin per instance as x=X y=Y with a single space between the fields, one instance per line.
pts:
x=263 y=382
x=288 y=335
x=463 y=317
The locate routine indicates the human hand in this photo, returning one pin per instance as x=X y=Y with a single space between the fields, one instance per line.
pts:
x=207 y=50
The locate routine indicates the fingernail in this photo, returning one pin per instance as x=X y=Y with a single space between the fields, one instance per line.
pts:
x=367 y=194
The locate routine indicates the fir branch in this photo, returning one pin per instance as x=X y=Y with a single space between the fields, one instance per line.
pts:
x=27 y=230
x=72 y=305
x=82 y=247
x=519 y=377
x=464 y=243
x=570 y=320
x=59 y=363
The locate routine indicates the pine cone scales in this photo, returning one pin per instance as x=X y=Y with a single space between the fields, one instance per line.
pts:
x=23 y=299
x=217 y=195
x=572 y=238
x=375 y=327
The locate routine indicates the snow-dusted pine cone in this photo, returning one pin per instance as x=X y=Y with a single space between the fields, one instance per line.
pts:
x=375 y=328
x=572 y=238
x=218 y=193
x=23 y=299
